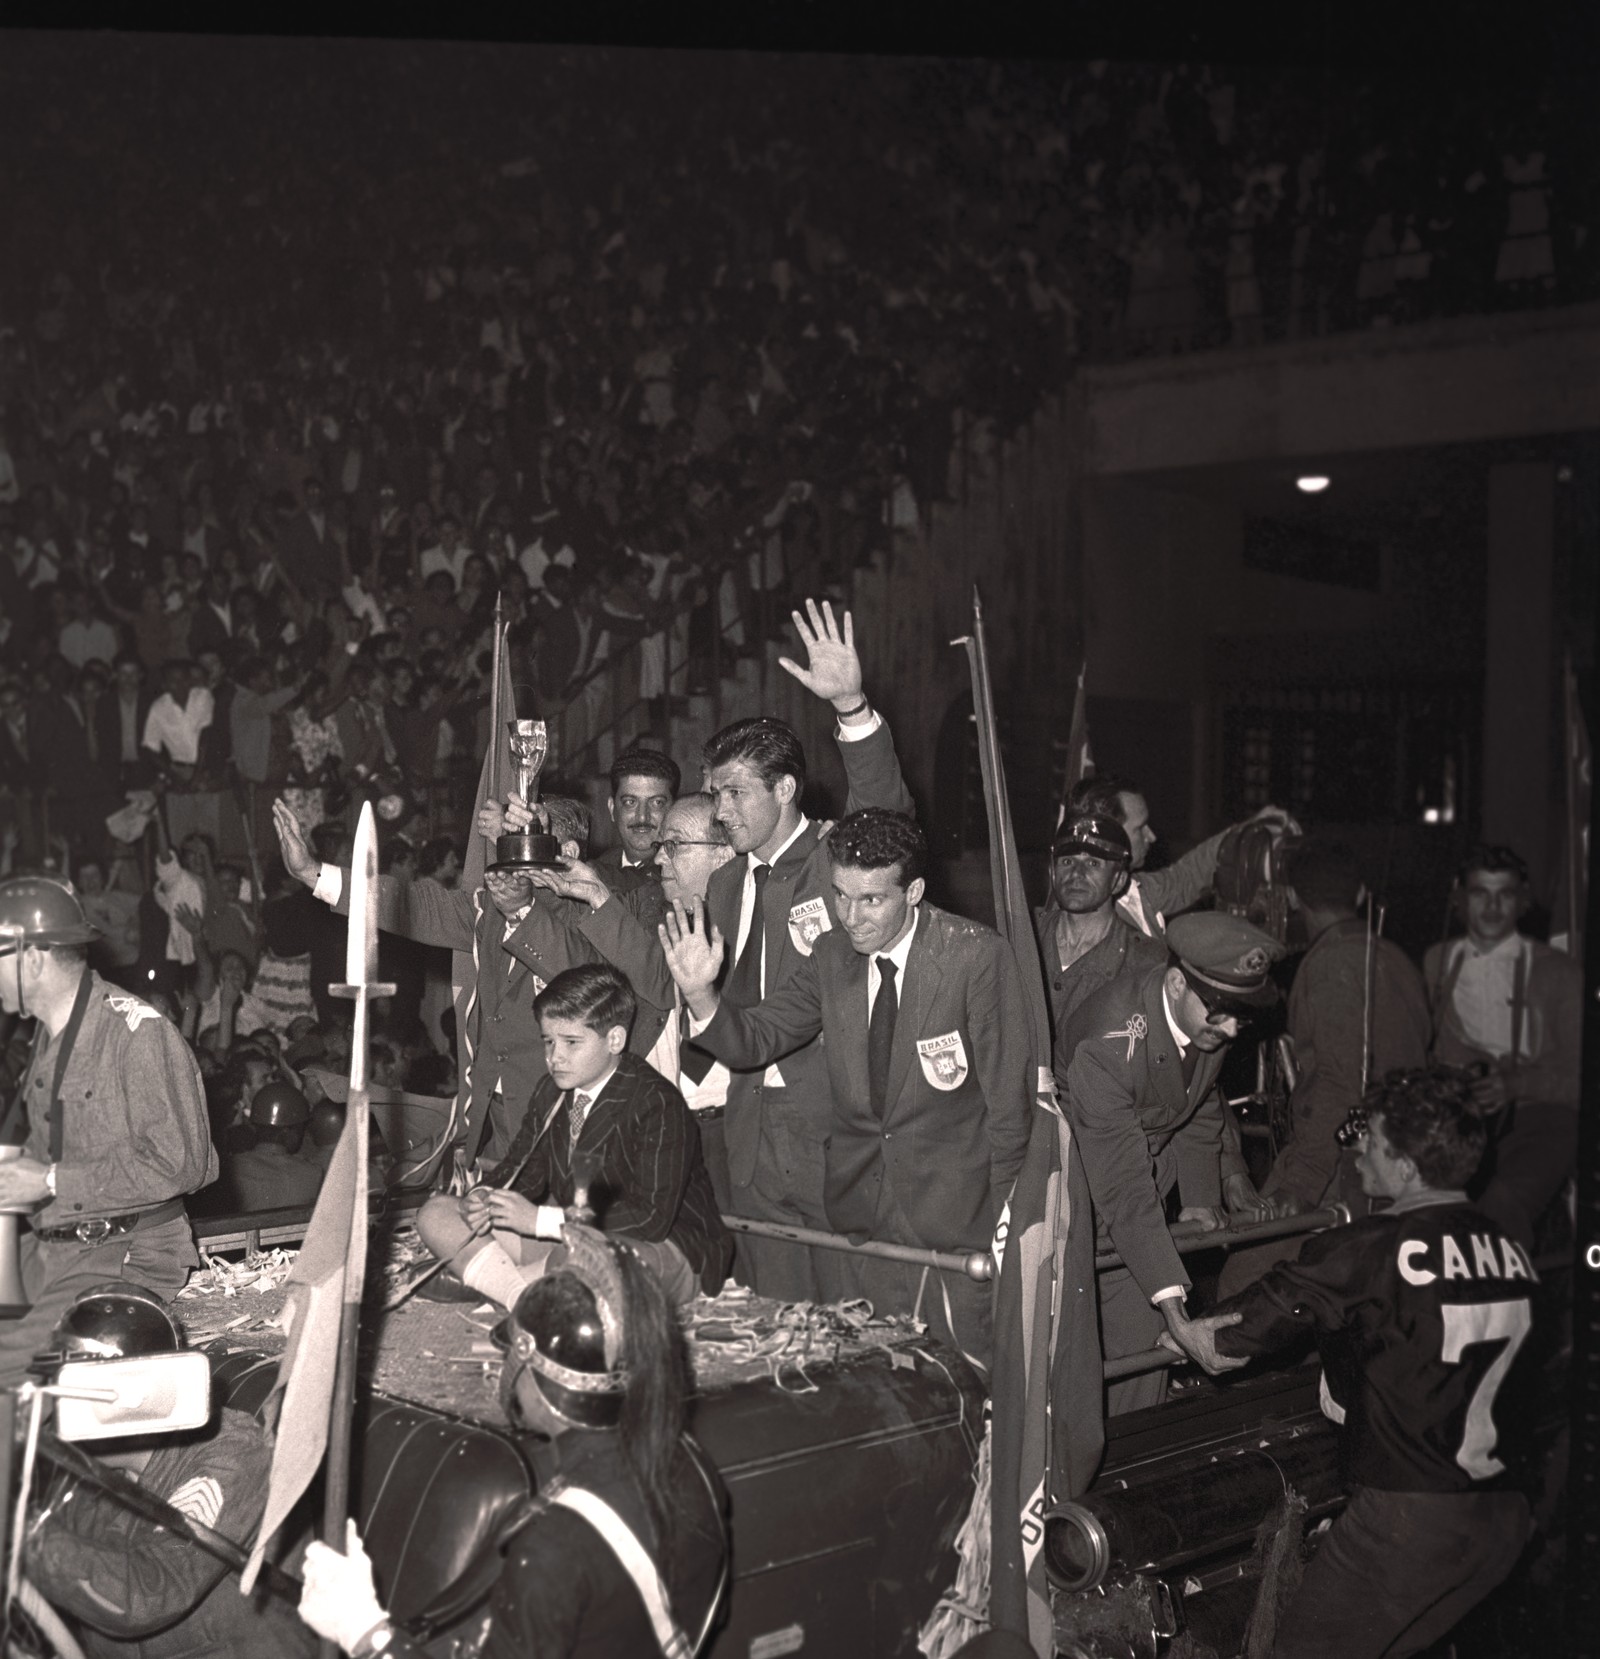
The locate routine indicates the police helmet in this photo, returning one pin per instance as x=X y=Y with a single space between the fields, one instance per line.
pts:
x=279 y=1105
x=42 y=911
x=566 y=1329
x=326 y=1122
x=118 y=1320
x=1100 y=837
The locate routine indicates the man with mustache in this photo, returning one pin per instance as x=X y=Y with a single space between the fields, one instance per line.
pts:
x=1138 y=1066
x=644 y=783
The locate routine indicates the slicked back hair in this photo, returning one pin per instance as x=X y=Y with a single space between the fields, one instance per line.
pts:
x=1100 y=797
x=706 y=825
x=595 y=994
x=1493 y=861
x=771 y=748
x=1429 y=1116
x=569 y=819
x=877 y=839
x=645 y=763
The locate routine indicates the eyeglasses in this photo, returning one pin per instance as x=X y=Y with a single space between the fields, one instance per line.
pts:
x=670 y=848
x=1219 y=1007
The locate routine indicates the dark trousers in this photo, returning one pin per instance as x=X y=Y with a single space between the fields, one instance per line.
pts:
x=1398 y=1570
x=714 y=1150
x=158 y=1257
x=786 y=1187
x=1533 y=1158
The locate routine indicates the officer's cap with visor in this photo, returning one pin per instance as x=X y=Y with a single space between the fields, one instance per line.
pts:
x=1226 y=961
x=567 y=1331
x=1099 y=836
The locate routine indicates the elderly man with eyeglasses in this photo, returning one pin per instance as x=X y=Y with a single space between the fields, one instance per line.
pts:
x=1138 y=1066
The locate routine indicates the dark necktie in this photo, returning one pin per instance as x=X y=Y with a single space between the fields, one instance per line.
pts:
x=1191 y=1060
x=743 y=989
x=693 y=1061
x=880 y=1036
x=579 y=1110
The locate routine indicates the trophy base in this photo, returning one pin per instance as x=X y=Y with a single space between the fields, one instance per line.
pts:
x=527 y=852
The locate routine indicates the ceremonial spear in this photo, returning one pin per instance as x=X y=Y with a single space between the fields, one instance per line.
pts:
x=318 y=1377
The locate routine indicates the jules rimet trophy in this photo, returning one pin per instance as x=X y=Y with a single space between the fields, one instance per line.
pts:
x=536 y=848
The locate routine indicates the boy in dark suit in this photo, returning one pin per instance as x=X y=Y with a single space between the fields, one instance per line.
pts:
x=625 y=1123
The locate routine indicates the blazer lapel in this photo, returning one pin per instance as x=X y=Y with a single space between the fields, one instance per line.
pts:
x=850 y=988
x=1166 y=1067
x=922 y=979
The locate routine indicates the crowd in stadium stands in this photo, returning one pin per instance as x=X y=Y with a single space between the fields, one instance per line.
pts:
x=640 y=342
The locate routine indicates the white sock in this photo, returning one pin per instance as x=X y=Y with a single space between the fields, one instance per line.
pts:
x=494 y=1273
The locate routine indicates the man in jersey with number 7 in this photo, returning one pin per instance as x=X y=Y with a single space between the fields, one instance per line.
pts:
x=1419 y=1314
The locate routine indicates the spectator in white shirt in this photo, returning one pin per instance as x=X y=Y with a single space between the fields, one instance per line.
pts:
x=177 y=717
x=449 y=553
x=86 y=637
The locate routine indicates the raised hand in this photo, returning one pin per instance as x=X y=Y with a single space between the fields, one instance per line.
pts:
x=298 y=858
x=693 y=948
x=834 y=670
x=189 y=919
x=491 y=822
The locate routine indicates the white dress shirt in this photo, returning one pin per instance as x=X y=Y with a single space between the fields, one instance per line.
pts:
x=1485 y=984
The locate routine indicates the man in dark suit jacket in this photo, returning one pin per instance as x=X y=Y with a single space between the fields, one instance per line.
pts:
x=211 y=623
x=119 y=725
x=778 y=1115
x=305 y=543
x=925 y=1042
x=602 y=1121
x=58 y=731
x=1138 y=1065
x=644 y=784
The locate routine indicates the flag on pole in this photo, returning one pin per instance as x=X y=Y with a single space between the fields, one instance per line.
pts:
x=329 y=1271
x=492 y=778
x=1572 y=877
x=1046 y=1386
x=1080 y=763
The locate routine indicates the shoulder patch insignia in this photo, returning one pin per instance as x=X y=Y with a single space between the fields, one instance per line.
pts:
x=808 y=921
x=944 y=1061
x=1136 y=1028
x=132 y=1010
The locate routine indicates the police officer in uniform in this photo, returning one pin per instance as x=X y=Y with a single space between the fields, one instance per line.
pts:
x=1138 y=1066
x=625 y=1553
x=137 y=1590
x=275 y=1173
x=116 y=1129
x=1085 y=939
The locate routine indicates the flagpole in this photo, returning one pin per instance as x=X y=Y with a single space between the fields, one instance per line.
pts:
x=1574 y=827
x=496 y=712
x=361 y=985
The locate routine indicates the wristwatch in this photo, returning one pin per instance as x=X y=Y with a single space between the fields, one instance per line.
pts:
x=376 y=1640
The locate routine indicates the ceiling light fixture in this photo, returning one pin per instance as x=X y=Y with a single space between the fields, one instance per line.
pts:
x=1312 y=484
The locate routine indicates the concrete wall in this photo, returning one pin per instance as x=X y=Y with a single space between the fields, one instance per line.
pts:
x=1463 y=381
